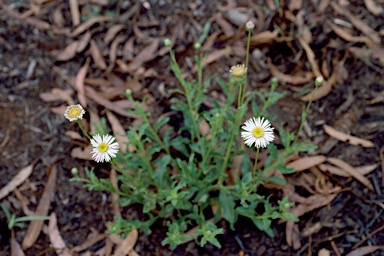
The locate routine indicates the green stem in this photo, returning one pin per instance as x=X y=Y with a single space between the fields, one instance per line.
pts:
x=304 y=116
x=255 y=165
x=246 y=66
x=82 y=129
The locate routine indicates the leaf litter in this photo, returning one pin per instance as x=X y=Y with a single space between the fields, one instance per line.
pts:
x=131 y=61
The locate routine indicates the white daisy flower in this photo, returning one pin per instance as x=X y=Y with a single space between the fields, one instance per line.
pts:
x=74 y=112
x=258 y=131
x=104 y=149
x=238 y=72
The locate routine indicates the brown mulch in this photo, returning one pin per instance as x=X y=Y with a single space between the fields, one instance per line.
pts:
x=52 y=56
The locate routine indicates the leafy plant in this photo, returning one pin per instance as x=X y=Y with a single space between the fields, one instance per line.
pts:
x=186 y=179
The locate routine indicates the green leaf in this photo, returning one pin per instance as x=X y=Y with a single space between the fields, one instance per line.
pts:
x=227 y=204
x=160 y=123
x=285 y=170
x=275 y=179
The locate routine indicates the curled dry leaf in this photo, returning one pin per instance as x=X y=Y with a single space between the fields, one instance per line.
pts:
x=81 y=153
x=15 y=246
x=68 y=53
x=79 y=83
x=323 y=90
x=86 y=25
x=310 y=56
x=363 y=170
x=17 y=180
x=373 y=7
x=35 y=226
x=347 y=138
x=357 y=23
x=351 y=171
x=324 y=252
x=306 y=162
x=60 y=110
x=97 y=56
x=75 y=13
x=57 y=94
x=88 y=243
x=214 y=56
x=119 y=133
x=364 y=250
x=147 y=54
x=55 y=237
x=343 y=33
x=127 y=245
x=112 y=32
x=264 y=37
x=292 y=79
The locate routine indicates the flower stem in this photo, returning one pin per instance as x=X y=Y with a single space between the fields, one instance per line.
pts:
x=304 y=115
x=255 y=165
x=82 y=129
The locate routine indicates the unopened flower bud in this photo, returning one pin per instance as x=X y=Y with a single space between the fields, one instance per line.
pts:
x=319 y=81
x=250 y=25
x=128 y=92
x=167 y=42
x=74 y=171
x=197 y=46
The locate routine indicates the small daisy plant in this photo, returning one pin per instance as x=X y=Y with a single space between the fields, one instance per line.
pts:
x=187 y=177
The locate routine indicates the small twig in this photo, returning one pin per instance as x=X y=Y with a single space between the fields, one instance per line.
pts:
x=335 y=249
x=367 y=237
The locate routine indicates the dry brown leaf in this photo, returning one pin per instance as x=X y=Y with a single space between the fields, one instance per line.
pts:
x=127 y=245
x=112 y=32
x=91 y=93
x=83 y=42
x=60 y=110
x=264 y=37
x=351 y=171
x=317 y=201
x=347 y=36
x=35 y=226
x=311 y=57
x=115 y=197
x=94 y=120
x=305 y=163
x=75 y=13
x=79 y=83
x=323 y=90
x=68 y=53
x=57 y=94
x=113 y=52
x=364 y=250
x=225 y=26
x=357 y=23
x=347 y=138
x=147 y=54
x=15 y=246
x=119 y=133
x=214 y=56
x=292 y=79
x=323 y=4
x=373 y=7
x=81 y=153
x=295 y=5
x=324 y=252
x=55 y=238
x=364 y=170
x=86 y=25
x=17 y=180
x=88 y=243
x=73 y=135
x=128 y=49
x=97 y=55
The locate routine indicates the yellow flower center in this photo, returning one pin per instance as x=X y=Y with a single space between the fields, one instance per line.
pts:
x=74 y=112
x=103 y=147
x=238 y=71
x=258 y=132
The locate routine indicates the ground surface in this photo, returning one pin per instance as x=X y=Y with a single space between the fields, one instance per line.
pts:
x=34 y=60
